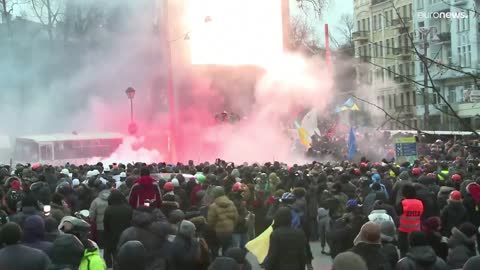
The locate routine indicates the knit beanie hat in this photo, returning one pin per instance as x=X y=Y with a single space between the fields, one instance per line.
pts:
x=218 y=192
x=468 y=229
x=418 y=238
x=187 y=228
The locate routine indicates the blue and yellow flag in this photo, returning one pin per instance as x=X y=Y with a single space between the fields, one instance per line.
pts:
x=352 y=145
x=349 y=105
x=303 y=135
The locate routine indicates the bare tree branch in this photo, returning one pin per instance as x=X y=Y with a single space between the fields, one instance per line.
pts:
x=317 y=6
x=346 y=28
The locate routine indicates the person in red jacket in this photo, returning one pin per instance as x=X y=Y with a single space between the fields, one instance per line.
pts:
x=145 y=190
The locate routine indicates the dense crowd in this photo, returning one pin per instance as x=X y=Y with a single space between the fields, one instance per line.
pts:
x=366 y=215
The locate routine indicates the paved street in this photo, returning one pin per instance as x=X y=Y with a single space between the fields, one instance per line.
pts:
x=320 y=262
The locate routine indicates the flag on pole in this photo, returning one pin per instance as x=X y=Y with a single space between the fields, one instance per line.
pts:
x=349 y=105
x=303 y=135
x=352 y=145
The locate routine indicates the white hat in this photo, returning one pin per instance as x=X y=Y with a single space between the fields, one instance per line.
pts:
x=95 y=172
x=175 y=182
x=123 y=174
x=66 y=172
x=89 y=174
x=106 y=169
x=75 y=182
x=104 y=181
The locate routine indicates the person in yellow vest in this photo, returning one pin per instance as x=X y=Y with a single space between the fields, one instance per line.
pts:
x=410 y=211
x=444 y=174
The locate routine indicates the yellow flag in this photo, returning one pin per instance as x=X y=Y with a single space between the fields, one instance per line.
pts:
x=260 y=245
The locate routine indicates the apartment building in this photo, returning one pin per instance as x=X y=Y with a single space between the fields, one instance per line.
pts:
x=449 y=29
x=386 y=60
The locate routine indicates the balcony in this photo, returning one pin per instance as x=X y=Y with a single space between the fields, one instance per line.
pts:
x=375 y=2
x=405 y=110
x=364 y=58
x=360 y=35
x=402 y=54
x=403 y=81
x=401 y=23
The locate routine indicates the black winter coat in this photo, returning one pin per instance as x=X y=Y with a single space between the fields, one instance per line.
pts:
x=452 y=216
x=117 y=218
x=153 y=236
x=373 y=255
x=421 y=258
x=287 y=250
x=461 y=249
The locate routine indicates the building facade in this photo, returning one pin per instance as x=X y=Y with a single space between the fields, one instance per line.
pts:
x=386 y=59
x=449 y=29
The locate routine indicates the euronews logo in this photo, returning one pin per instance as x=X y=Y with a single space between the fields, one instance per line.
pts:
x=442 y=15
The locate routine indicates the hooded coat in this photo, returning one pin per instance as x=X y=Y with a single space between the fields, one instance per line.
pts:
x=222 y=215
x=287 y=245
x=131 y=256
x=98 y=207
x=461 y=248
x=472 y=263
x=153 y=236
x=117 y=218
x=421 y=258
x=34 y=234
x=185 y=251
x=145 y=188
x=23 y=257
x=443 y=195
x=373 y=256
x=452 y=215
x=67 y=252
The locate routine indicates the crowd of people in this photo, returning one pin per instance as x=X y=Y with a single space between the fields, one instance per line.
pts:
x=365 y=215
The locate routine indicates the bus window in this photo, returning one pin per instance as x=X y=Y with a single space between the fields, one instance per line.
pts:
x=26 y=151
x=46 y=152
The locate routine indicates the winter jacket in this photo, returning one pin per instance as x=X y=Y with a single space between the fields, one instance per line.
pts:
x=92 y=260
x=59 y=211
x=184 y=254
x=27 y=211
x=452 y=215
x=34 y=234
x=391 y=252
x=428 y=198
x=152 y=234
x=323 y=220
x=21 y=257
x=380 y=216
x=438 y=243
x=421 y=258
x=98 y=207
x=390 y=211
x=472 y=263
x=369 y=202
x=340 y=236
x=41 y=191
x=461 y=249
x=287 y=250
x=240 y=204
x=443 y=195
x=145 y=188
x=117 y=218
x=222 y=215
x=373 y=256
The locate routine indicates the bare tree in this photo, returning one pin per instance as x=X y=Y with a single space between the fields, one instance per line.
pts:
x=346 y=29
x=317 y=6
x=47 y=12
x=302 y=35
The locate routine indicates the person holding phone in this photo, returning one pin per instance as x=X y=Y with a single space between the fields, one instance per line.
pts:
x=145 y=188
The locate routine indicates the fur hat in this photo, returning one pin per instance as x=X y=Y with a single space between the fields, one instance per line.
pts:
x=370 y=233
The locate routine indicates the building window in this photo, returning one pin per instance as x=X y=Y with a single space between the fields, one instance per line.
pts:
x=410 y=11
x=407 y=69
x=412 y=68
x=389 y=101
x=414 y=97
x=464 y=57
x=359 y=26
x=420 y=4
x=402 y=102
x=389 y=72
x=369 y=49
x=406 y=41
x=392 y=41
x=391 y=17
x=394 y=100
x=376 y=49
x=368 y=24
x=381 y=48
x=404 y=8
x=459 y=50
x=407 y=97
x=469 y=56
x=385 y=19
x=383 y=102
x=452 y=95
x=387 y=44
x=363 y=25
x=400 y=69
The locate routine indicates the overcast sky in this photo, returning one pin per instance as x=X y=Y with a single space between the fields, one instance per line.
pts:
x=334 y=10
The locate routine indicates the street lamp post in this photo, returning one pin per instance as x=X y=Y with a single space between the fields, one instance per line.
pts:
x=132 y=127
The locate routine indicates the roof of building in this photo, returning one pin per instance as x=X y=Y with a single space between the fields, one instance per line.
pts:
x=72 y=137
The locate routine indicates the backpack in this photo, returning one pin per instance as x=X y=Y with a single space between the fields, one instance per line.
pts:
x=296 y=219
